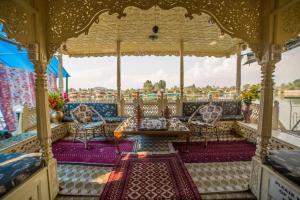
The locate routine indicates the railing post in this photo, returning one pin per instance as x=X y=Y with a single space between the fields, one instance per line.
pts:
x=178 y=107
x=121 y=106
x=24 y=118
x=159 y=105
x=275 y=115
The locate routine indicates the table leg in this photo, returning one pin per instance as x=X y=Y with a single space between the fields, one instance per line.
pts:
x=118 y=151
x=187 y=143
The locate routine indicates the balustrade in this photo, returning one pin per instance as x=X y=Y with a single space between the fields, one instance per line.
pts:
x=275 y=115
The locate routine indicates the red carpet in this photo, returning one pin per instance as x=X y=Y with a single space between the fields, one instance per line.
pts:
x=150 y=177
x=98 y=152
x=223 y=151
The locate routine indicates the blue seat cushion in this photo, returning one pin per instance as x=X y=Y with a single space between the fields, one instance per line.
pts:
x=91 y=125
x=231 y=109
x=104 y=109
x=223 y=118
x=16 y=172
x=286 y=162
x=114 y=119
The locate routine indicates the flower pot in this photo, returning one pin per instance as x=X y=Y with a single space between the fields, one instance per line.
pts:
x=56 y=116
x=247 y=112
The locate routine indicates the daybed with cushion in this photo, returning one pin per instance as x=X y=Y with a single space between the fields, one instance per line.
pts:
x=23 y=176
x=286 y=162
x=109 y=111
x=280 y=175
x=232 y=110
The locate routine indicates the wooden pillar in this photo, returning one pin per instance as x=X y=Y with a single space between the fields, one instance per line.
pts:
x=268 y=54
x=275 y=116
x=42 y=108
x=118 y=70
x=37 y=53
x=60 y=73
x=238 y=71
x=265 y=111
x=39 y=60
x=67 y=86
x=181 y=52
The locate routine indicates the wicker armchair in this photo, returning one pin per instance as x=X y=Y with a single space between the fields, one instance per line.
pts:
x=87 y=122
x=206 y=117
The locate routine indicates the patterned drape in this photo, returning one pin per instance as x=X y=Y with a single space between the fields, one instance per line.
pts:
x=16 y=88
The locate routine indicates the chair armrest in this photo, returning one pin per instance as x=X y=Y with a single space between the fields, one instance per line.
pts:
x=98 y=114
x=218 y=117
x=193 y=115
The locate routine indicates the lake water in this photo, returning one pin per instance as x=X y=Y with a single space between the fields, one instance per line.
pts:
x=284 y=111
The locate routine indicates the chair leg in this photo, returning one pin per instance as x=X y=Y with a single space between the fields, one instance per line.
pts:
x=217 y=133
x=85 y=139
x=75 y=134
x=206 y=136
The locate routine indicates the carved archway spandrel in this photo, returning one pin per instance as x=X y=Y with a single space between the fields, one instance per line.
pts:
x=16 y=20
x=288 y=23
x=69 y=19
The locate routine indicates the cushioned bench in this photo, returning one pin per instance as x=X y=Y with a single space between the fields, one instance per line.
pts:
x=109 y=111
x=16 y=168
x=231 y=109
x=286 y=162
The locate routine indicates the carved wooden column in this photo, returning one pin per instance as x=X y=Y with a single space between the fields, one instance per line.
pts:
x=181 y=52
x=60 y=73
x=67 y=87
x=265 y=111
x=43 y=117
x=264 y=132
x=238 y=71
x=119 y=98
x=275 y=116
x=118 y=70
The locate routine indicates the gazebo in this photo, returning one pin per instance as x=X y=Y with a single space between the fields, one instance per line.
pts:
x=149 y=27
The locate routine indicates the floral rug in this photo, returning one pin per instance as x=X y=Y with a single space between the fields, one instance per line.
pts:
x=222 y=151
x=98 y=152
x=150 y=177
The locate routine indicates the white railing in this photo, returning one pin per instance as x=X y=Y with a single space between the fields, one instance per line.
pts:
x=150 y=107
x=276 y=123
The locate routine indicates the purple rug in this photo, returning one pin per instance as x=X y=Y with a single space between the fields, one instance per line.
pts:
x=223 y=151
x=98 y=152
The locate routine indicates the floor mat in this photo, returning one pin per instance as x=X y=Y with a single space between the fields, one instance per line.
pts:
x=98 y=152
x=222 y=151
x=150 y=177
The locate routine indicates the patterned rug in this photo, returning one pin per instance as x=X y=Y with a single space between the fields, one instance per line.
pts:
x=223 y=151
x=150 y=177
x=98 y=152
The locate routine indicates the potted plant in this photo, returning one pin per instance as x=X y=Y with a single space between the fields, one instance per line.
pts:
x=56 y=103
x=247 y=96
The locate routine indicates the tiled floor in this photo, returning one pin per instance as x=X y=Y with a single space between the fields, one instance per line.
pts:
x=213 y=180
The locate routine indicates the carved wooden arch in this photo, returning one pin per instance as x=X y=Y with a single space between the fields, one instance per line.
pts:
x=68 y=19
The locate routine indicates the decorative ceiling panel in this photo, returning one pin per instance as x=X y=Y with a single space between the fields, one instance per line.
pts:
x=200 y=37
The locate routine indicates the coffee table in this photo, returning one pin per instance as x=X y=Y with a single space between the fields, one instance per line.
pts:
x=175 y=128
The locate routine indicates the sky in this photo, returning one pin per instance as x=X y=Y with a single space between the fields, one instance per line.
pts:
x=92 y=72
